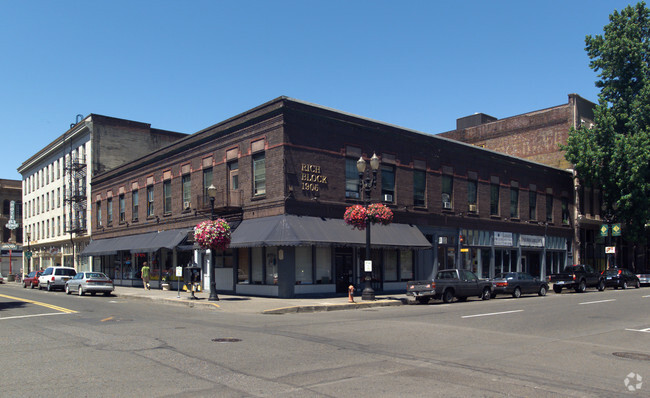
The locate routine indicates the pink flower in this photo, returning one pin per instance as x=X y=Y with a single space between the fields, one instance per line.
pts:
x=357 y=216
x=213 y=234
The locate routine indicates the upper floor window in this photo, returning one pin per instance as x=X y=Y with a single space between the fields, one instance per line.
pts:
x=259 y=174
x=122 y=208
x=514 y=199
x=532 y=203
x=207 y=180
x=549 y=207
x=99 y=214
x=167 y=196
x=150 y=207
x=565 y=210
x=109 y=211
x=135 y=201
x=472 y=192
x=388 y=183
x=447 y=191
x=494 y=197
x=419 y=187
x=187 y=191
x=351 y=178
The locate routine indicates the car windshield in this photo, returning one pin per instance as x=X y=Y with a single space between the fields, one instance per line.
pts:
x=95 y=275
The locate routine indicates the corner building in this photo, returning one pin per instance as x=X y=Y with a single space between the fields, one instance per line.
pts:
x=286 y=171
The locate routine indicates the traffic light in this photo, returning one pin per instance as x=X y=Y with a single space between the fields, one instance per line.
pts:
x=462 y=239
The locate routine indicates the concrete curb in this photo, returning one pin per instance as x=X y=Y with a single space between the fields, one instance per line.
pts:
x=332 y=307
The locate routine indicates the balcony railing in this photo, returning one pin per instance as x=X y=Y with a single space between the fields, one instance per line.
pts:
x=225 y=199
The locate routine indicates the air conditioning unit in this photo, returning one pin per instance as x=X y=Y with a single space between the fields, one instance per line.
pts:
x=388 y=198
x=473 y=207
x=187 y=204
x=446 y=205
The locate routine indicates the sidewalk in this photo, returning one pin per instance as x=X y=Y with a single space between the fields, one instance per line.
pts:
x=256 y=305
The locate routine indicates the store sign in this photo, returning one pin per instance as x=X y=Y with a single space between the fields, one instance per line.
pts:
x=311 y=178
x=503 y=239
x=610 y=250
x=12 y=224
x=531 y=241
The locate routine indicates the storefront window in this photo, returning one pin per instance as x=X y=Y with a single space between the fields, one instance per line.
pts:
x=390 y=265
x=257 y=265
x=406 y=265
x=323 y=265
x=243 y=275
x=271 y=265
x=303 y=265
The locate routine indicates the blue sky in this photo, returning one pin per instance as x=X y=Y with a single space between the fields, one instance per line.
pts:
x=185 y=65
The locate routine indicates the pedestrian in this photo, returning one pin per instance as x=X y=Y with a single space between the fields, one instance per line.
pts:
x=145 y=275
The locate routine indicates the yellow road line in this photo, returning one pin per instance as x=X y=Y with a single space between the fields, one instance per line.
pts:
x=51 y=306
x=107 y=319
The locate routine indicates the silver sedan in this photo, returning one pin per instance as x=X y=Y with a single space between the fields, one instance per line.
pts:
x=89 y=282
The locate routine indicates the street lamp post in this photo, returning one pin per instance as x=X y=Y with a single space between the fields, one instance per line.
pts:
x=609 y=217
x=29 y=253
x=367 y=183
x=212 y=194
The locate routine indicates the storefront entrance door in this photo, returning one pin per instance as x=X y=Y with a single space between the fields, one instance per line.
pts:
x=343 y=262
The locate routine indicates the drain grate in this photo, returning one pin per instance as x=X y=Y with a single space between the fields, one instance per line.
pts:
x=632 y=355
x=226 y=340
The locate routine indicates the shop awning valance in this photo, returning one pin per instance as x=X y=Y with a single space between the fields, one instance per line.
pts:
x=141 y=243
x=291 y=230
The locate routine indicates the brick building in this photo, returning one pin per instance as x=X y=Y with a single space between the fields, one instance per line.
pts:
x=536 y=136
x=285 y=172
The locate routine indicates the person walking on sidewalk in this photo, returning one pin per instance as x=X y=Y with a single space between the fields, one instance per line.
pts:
x=145 y=275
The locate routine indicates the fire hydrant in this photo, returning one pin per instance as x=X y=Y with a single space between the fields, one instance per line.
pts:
x=350 y=294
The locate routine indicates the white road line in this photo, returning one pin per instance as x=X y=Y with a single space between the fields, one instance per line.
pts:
x=595 y=302
x=640 y=330
x=491 y=313
x=646 y=296
x=31 y=316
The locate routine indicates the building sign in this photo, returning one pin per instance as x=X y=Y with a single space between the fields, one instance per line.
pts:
x=503 y=239
x=12 y=224
x=610 y=250
x=531 y=241
x=311 y=178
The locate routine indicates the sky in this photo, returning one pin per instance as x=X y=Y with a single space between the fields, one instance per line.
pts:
x=186 y=65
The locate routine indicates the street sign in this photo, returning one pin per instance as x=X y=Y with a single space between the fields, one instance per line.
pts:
x=179 y=271
x=616 y=229
x=367 y=265
x=610 y=250
x=28 y=254
x=604 y=230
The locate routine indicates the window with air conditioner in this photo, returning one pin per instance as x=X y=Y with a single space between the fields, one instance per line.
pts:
x=447 y=191
x=388 y=183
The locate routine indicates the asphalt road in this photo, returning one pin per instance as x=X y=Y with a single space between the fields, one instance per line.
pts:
x=555 y=346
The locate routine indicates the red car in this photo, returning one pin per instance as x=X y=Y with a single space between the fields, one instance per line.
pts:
x=31 y=279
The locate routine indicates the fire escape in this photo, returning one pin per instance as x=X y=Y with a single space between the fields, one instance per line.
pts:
x=75 y=194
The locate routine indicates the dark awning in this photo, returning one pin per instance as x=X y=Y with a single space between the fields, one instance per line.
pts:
x=141 y=243
x=291 y=230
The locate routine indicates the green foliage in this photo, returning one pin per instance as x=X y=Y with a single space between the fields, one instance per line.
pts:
x=615 y=155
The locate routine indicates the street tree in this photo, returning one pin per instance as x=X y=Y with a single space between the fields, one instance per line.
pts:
x=614 y=154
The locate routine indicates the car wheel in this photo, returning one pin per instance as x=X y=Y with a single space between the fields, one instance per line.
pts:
x=24 y=285
x=516 y=293
x=49 y=287
x=624 y=285
x=80 y=291
x=493 y=295
x=448 y=296
x=557 y=289
x=601 y=285
x=542 y=291
x=487 y=294
x=637 y=285
x=109 y=293
x=67 y=289
x=582 y=286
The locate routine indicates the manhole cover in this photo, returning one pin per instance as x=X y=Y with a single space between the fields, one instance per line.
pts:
x=226 y=340
x=632 y=355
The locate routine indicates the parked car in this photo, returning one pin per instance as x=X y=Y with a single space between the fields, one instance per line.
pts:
x=644 y=277
x=2 y=279
x=517 y=283
x=55 y=278
x=31 y=279
x=449 y=283
x=578 y=277
x=90 y=282
x=620 y=277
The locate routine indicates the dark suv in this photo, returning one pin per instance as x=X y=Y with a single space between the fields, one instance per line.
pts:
x=55 y=278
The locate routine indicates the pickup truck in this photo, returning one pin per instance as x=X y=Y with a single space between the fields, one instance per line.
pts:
x=578 y=278
x=448 y=284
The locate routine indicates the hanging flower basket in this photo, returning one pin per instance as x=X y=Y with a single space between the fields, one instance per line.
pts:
x=376 y=213
x=213 y=234
x=355 y=216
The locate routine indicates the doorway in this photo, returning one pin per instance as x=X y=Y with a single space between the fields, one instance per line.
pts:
x=343 y=266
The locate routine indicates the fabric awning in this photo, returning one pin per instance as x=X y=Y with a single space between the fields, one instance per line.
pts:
x=291 y=230
x=141 y=243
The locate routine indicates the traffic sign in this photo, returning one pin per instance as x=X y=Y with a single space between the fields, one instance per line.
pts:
x=28 y=254
x=616 y=229
x=604 y=230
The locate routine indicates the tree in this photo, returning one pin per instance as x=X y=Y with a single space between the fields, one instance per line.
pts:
x=614 y=155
